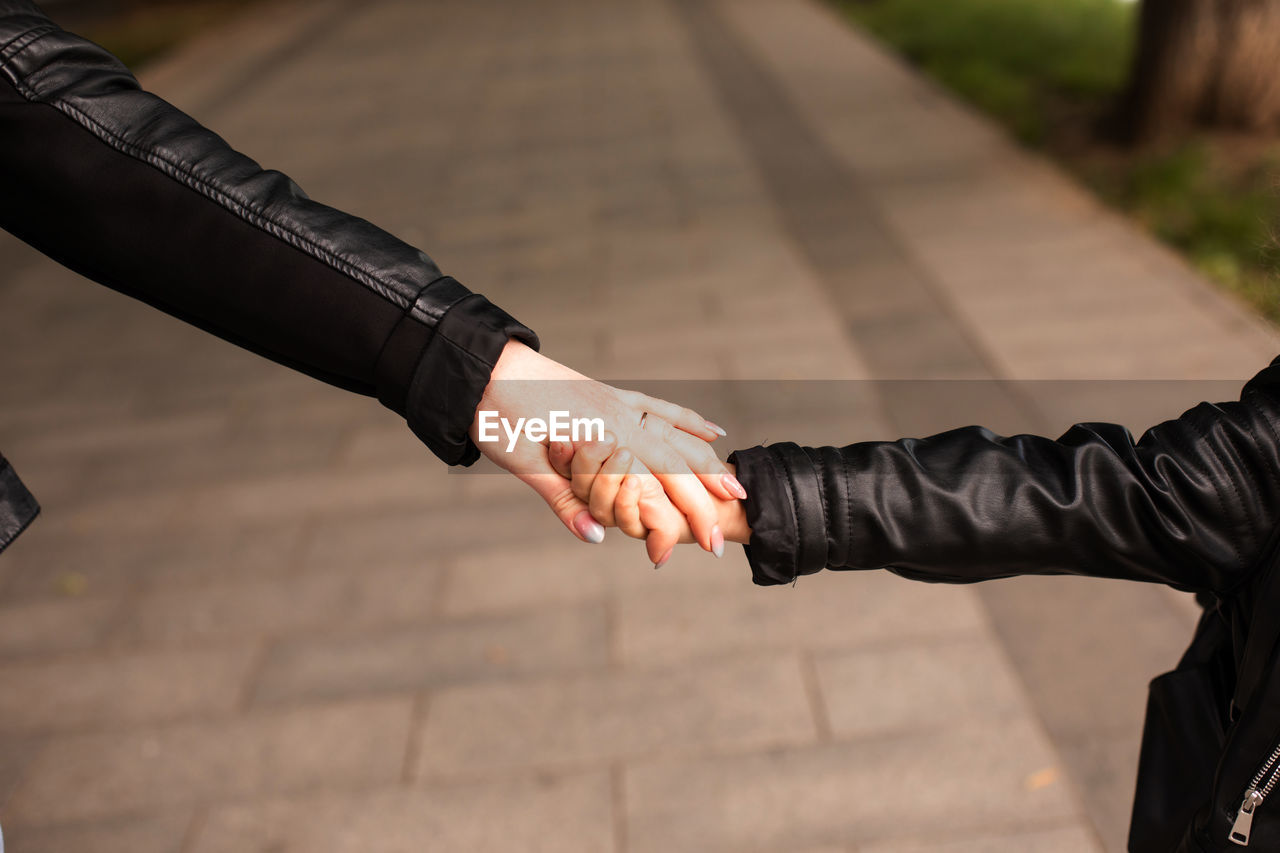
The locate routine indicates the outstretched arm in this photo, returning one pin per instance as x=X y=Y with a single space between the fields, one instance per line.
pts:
x=1192 y=504
x=121 y=186
x=124 y=188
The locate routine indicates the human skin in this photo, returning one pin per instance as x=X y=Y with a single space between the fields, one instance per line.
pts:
x=686 y=482
x=603 y=474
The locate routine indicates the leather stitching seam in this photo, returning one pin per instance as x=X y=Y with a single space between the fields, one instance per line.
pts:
x=786 y=477
x=16 y=45
x=208 y=190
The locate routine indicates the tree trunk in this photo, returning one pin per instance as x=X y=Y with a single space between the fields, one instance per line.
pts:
x=1246 y=91
x=1213 y=62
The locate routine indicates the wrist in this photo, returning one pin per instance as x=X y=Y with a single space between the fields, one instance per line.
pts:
x=733 y=517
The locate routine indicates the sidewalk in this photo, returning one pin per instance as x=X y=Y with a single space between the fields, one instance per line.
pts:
x=258 y=615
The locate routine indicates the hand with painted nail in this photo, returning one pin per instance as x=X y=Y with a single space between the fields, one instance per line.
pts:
x=666 y=441
x=620 y=492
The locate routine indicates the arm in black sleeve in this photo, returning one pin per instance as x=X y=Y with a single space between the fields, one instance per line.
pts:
x=1192 y=504
x=129 y=191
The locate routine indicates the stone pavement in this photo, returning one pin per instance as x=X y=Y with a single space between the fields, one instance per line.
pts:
x=258 y=616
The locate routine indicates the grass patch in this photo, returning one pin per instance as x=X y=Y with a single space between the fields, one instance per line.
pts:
x=1050 y=71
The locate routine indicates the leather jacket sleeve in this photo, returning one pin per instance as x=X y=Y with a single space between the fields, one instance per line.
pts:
x=1192 y=504
x=129 y=191
x=18 y=508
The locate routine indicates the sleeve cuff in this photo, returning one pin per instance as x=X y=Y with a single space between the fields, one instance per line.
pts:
x=785 y=512
x=453 y=372
x=17 y=506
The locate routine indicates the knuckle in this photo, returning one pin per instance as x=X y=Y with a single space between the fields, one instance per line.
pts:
x=562 y=500
x=670 y=462
x=651 y=489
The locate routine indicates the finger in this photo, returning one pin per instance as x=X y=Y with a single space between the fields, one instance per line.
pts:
x=689 y=497
x=626 y=508
x=560 y=455
x=678 y=416
x=662 y=519
x=702 y=460
x=684 y=488
x=605 y=486
x=588 y=458
x=558 y=494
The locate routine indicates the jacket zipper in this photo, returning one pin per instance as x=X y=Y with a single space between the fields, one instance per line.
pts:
x=1259 y=789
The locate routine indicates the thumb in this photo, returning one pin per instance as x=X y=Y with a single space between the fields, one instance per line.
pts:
x=558 y=493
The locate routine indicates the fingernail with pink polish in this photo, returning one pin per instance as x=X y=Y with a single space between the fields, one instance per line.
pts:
x=717 y=541
x=735 y=488
x=718 y=430
x=665 y=557
x=588 y=528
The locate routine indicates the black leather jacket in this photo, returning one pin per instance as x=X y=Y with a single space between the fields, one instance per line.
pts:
x=129 y=191
x=1194 y=504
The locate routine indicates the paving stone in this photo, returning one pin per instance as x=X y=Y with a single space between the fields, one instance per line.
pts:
x=125 y=435
x=1075 y=698
x=516 y=577
x=379 y=444
x=346 y=746
x=344 y=495
x=51 y=550
x=424 y=535
x=923 y=686
x=16 y=755
x=571 y=814
x=956 y=781
x=187 y=557
x=1106 y=767
x=491 y=729
x=48 y=627
x=102 y=691
x=283 y=605
x=480 y=649
x=1072 y=839
x=498 y=579
x=163 y=834
x=829 y=610
x=56 y=558
x=251 y=455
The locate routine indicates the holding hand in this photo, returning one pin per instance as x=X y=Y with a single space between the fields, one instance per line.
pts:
x=620 y=491
x=666 y=442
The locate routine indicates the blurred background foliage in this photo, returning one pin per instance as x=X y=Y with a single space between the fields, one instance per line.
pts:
x=1056 y=74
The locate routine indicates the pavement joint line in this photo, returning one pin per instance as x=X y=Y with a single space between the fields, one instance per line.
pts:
x=817 y=701
x=413 y=748
x=195 y=827
x=247 y=699
x=618 y=798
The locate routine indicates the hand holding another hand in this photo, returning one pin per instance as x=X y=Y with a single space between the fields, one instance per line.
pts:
x=606 y=476
x=665 y=443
